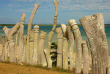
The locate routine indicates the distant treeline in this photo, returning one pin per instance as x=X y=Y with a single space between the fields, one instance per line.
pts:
x=39 y=24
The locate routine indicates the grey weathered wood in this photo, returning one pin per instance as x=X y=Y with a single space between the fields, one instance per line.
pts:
x=71 y=48
x=108 y=70
x=78 y=39
x=21 y=44
x=65 y=48
x=9 y=32
x=59 y=47
x=16 y=45
x=24 y=47
x=6 y=51
x=85 y=57
x=36 y=42
x=50 y=36
x=3 y=48
x=31 y=47
x=36 y=6
x=41 y=55
x=94 y=28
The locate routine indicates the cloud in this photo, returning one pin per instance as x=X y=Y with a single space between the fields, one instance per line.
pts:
x=26 y=0
x=25 y=10
x=84 y=4
x=74 y=4
x=22 y=10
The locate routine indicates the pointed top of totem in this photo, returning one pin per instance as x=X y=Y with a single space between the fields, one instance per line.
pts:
x=43 y=34
x=63 y=26
x=36 y=5
x=23 y=16
x=36 y=27
x=55 y=2
x=72 y=22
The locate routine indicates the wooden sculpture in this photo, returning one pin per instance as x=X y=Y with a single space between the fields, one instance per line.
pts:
x=50 y=36
x=9 y=32
x=65 y=47
x=59 y=47
x=94 y=28
x=78 y=39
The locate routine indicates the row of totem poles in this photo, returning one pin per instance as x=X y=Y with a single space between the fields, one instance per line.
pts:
x=31 y=49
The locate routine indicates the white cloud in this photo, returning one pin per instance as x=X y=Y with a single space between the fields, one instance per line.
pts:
x=24 y=10
x=74 y=4
x=26 y=0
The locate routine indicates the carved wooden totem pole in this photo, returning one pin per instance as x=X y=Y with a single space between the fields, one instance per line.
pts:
x=85 y=57
x=94 y=28
x=21 y=50
x=50 y=36
x=78 y=39
x=36 y=41
x=59 y=47
x=71 y=48
x=65 y=47
x=36 y=6
x=9 y=32
x=42 y=57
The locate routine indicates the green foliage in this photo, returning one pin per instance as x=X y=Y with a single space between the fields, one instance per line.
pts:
x=54 y=45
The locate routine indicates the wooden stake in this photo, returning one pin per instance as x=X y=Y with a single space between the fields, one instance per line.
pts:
x=36 y=42
x=21 y=34
x=50 y=36
x=71 y=49
x=42 y=57
x=65 y=47
x=10 y=36
x=94 y=28
x=78 y=39
x=59 y=47
x=3 y=48
x=36 y=6
x=85 y=57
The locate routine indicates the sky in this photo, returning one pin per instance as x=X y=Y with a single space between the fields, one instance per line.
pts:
x=11 y=10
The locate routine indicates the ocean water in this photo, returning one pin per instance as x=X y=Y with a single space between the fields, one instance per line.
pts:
x=48 y=29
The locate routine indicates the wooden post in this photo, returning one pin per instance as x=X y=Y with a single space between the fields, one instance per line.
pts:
x=65 y=47
x=25 y=47
x=71 y=48
x=78 y=40
x=31 y=47
x=50 y=36
x=59 y=47
x=16 y=45
x=36 y=6
x=36 y=42
x=10 y=36
x=3 y=48
x=21 y=45
x=6 y=51
x=85 y=57
x=42 y=57
x=94 y=28
x=108 y=70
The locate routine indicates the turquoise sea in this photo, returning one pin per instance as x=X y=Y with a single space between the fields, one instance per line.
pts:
x=48 y=29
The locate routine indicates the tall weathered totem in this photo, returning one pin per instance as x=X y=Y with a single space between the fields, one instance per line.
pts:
x=94 y=28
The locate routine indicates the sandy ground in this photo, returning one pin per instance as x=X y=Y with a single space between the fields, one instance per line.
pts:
x=17 y=69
